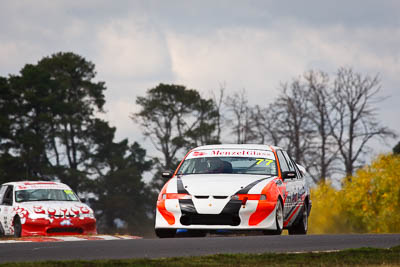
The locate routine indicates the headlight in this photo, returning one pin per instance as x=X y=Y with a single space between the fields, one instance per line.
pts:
x=176 y=196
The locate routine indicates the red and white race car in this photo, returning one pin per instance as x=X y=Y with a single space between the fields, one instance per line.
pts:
x=43 y=208
x=234 y=187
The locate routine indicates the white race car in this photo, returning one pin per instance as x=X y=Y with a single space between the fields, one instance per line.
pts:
x=234 y=187
x=43 y=208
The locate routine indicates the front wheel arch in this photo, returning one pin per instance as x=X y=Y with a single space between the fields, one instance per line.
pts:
x=278 y=230
x=300 y=226
x=283 y=210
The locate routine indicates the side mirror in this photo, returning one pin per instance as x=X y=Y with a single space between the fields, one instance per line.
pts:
x=167 y=174
x=288 y=175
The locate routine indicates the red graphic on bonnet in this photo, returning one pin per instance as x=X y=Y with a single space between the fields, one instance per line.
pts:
x=39 y=209
x=50 y=220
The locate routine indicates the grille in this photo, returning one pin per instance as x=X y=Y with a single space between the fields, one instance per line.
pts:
x=220 y=197
x=62 y=216
x=210 y=219
x=202 y=197
x=65 y=230
x=216 y=197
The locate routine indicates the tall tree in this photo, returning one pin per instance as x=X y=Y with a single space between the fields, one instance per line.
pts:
x=352 y=102
x=57 y=101
x=321 y=161
x=122 y=197
x=240 y=117
x=266 y=127
x=10 y=164
x=293 y=110
x=219 y=100
x=174 y=117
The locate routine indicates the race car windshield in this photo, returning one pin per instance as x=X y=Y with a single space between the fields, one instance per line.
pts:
x=238 y=165
x=45 y=195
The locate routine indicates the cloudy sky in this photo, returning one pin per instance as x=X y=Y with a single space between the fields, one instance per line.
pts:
x=254 y=45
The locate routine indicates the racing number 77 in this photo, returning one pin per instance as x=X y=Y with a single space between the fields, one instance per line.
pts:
x=267 y=161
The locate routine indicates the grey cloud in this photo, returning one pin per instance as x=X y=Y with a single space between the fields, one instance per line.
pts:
x=308 y=34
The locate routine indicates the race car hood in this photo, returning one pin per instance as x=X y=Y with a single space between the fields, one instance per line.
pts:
x=54 y=207
x=219 y=184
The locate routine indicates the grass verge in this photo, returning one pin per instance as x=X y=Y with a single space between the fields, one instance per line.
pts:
x=350 y=257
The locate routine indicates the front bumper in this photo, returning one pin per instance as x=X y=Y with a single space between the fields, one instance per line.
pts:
x=179 y=214
x=59 y=226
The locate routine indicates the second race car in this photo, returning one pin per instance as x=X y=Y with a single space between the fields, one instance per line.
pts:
x=43 y=208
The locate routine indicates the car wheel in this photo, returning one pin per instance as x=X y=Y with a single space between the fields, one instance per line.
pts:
x=17 y=227
x=301 y=226
x=278 y=220
x=165 y=233
x=2 y=233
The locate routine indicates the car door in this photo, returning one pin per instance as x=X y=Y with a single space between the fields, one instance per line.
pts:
x=290 y=186
x=298 y=185
x=6 y=208
x=302 y=187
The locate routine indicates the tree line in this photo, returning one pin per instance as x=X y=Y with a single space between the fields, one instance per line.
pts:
x=325 y=123
x=49 y=131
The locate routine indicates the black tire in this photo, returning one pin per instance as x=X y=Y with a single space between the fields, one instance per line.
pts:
x=300 y=227
x=197 y=233
x=278 y=220
x=165 y=233
x=2 y=233
x=17 y=227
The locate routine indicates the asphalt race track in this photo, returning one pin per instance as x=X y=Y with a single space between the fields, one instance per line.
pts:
x=155 y=248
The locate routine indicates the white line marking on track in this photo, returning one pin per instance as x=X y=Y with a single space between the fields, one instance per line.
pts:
x=108 y=237
x=13 y=241
x=67 y=238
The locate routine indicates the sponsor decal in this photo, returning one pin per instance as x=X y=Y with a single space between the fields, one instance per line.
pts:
x=233 y=153
x=41 y=185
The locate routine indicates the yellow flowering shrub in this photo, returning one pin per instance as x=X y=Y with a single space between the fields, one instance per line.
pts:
x=326 y=214
x=372 y=196
x=368 y=202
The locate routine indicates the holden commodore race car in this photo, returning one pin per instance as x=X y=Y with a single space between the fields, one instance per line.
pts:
x=233 y=188
x=43 y=208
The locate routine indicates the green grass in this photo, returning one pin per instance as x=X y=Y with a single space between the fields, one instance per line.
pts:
x=351 y=257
